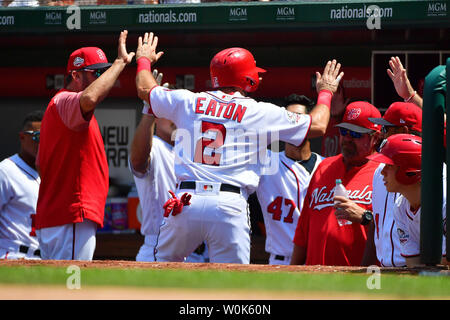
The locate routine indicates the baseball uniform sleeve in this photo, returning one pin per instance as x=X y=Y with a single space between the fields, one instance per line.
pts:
x=167 y=103
x=5 y=189
x=285 y=125
x=135 y=173
x=68 y=105
x=409 y=246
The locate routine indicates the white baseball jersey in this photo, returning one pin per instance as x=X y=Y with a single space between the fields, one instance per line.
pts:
x=281 y=198
x=19 y=188
x=386 y=237
x=153 y=191
x=408 y=227
x=154 y=185
x=222 y=137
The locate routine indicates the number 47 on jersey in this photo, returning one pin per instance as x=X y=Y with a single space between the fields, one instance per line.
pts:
x=276 y=209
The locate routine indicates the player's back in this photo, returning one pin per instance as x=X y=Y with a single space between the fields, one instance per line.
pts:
x=223 y=137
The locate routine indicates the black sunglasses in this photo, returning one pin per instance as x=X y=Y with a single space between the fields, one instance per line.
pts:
x=97 y=72
x=35 y=135
x=353 y=134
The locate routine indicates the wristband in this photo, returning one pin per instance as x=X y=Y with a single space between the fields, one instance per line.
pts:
x=412 y=96
x=143 y=63
x=325 y=98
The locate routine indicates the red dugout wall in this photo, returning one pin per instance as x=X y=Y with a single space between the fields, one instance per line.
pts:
x=278 y=82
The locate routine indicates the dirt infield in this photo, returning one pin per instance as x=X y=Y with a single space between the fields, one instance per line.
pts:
x=124 y=264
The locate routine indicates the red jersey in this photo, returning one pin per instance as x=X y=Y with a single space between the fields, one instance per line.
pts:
x=326 y=242
x=330 y=140
x=73 y=168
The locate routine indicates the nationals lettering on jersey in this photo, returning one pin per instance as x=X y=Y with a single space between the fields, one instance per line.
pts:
x=326 y=241
x=224 y=137
x=322 y=198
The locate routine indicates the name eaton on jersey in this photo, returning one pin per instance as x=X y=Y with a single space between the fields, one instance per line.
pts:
x=215 y=108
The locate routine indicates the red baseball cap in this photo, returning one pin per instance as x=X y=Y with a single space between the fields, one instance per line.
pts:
x=87 y=58
x=356 y=117
x=401 y=114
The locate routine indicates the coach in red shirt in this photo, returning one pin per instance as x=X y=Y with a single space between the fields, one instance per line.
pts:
x=319 y=238
x=71 y=157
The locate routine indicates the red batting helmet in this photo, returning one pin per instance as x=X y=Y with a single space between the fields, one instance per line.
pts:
x=235 y=67
x=404 y=151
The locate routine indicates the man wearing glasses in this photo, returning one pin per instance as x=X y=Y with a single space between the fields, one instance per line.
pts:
x=319 y=238
x=19 y=187
x=400 y=117
x=72 y=160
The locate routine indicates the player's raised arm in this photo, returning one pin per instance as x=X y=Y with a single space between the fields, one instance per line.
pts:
x=143 y=137
x=99 y=89
x=326 y=85
x=402 y=86
x=142 y=143
x=146 y=55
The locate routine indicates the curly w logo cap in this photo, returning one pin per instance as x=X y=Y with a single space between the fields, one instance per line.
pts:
x=356 y=117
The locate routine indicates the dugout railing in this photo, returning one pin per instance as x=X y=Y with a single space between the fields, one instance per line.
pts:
x=434 y=154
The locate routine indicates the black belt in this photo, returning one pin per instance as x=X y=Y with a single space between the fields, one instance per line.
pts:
x=223 y=186
x=278 y=257
x=24 y=249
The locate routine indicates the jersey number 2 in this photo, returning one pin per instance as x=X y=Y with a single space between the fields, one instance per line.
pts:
x=213 y=137
x=275 y=209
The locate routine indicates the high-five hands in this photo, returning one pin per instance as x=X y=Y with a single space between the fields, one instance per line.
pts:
x=147 y=47
x=330 y=78
x=397 y=73
x=122 y=53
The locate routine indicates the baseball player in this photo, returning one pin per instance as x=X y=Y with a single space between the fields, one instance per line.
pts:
x=152 y=162
x=220 y=134
x=281 y=195
x=402 y=156
x=72 y=159
x=19 y=187
x=400 y=117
